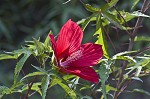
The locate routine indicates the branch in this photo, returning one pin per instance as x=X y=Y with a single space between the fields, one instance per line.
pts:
x=130 y=47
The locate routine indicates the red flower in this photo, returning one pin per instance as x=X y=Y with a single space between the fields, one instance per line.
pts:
x=72 y=56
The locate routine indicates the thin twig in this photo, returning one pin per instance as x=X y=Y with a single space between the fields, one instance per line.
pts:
x=29 y=88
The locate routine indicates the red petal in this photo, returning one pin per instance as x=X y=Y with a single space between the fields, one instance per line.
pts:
x=86 y=73
x=69 y=39
x=91 y=55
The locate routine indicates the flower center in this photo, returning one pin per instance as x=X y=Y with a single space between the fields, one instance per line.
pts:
x=73 y=57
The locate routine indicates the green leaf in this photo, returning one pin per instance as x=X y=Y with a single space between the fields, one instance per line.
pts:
x=101 y=37
x=109 y=5
x=135 y=2
x=7 y=56
x=143 y=62
x=138 y=70
x=39 y=46
x=88 y=20
x=68 y=90
x=138 y=13
x=102 y=41
x=4 y=90
x=104 y=74
x=141 y=91
x=64 y=85
x=44 y=85
x=110 y=88
x=124 y=53
x=40 y=69
x=142 y=38
x=90 y=8
x=128 y=58
x=21 y=62
x=112 y=18
x=125 y=16
x=31 y=74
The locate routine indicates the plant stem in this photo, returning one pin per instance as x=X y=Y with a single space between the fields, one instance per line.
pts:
x=130 y=47
x=29 y=88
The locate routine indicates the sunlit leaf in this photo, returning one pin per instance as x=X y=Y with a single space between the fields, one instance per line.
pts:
x=101 y=37
x=128 y=58
x=138 y=13
x=124 y=53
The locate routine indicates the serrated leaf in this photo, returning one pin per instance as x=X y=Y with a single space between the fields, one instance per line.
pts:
x=104 y=74
x=31 y=74
x=109 y=5
x=44 y=85
x=21 y=62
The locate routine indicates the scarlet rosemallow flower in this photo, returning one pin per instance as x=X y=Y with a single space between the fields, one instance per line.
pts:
x=73 y=57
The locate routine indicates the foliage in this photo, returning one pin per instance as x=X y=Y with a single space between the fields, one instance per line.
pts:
x=120 y=66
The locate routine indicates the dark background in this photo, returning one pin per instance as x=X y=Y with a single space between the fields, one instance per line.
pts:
x=20 y=20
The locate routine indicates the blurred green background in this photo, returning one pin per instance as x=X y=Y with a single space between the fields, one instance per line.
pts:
x=20 y=20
